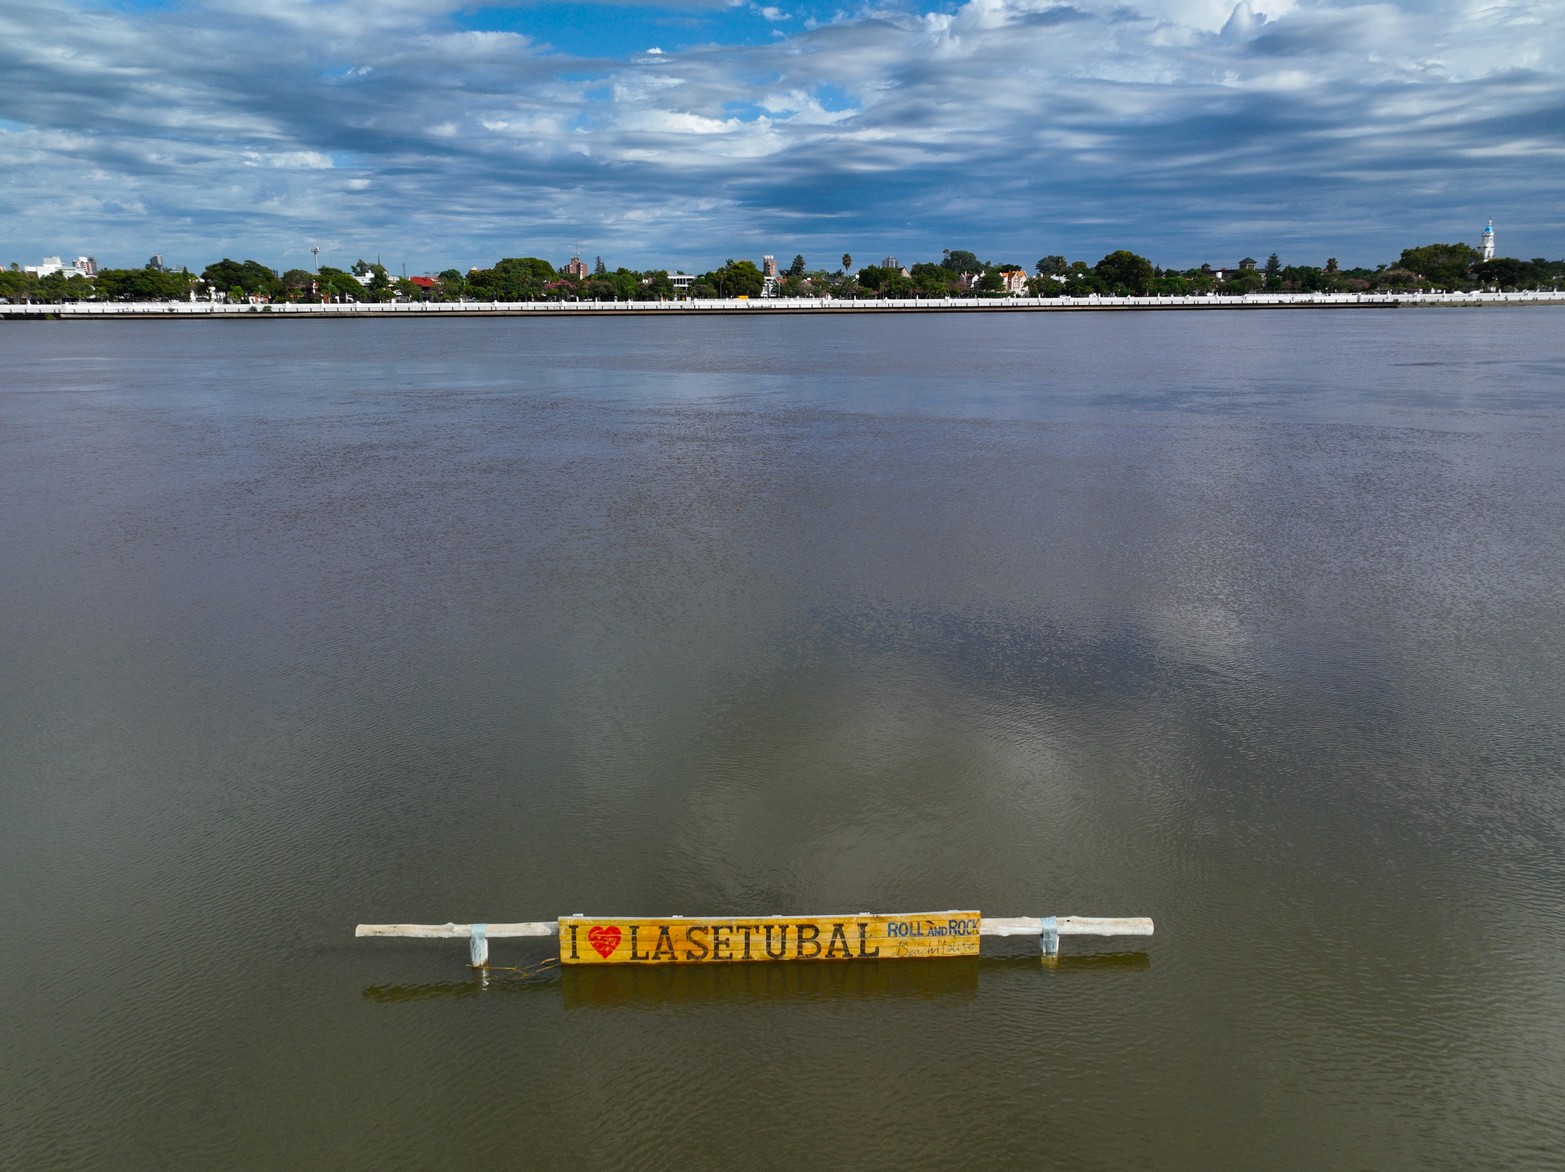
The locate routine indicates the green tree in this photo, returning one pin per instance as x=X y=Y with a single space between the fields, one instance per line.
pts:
x=141 y=285
x=796 y=269
x=657 y=287
x=932 y=280
x=516 y=278
x=1080 y=281
x=57 y=287
x=1123 y=272
x=847 y=262
x=623 y=284
x=1273 y=274
x=1050 y=265
x=379 y=288
x=1507 y=273
x=250 y=277
x=18 y=286
x=737 y=278
x=1199 y=281
x=298 y=283
x=1242 y=282
x=173 y=286
x=564 y=287
x=873 y=277
x=336 y=283
x=959 y=260
x=1303 y=279
x=1441 y=266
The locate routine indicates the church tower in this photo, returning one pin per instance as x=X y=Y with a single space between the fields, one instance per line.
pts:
x=1488 y=241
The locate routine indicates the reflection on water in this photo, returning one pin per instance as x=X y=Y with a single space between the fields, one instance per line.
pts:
x=1242 y=623
x=654 y=987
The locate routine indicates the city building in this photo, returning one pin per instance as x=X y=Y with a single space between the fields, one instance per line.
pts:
x=577 y=268
x=680 y=281
x=82 y=266
x=1247 y=265
x=1488 y=241
x=769 y=276
x=1014 y=281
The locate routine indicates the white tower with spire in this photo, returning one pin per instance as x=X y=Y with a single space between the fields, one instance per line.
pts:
x=1488 y=241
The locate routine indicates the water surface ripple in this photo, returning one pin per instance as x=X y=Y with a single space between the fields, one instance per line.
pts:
x=1248 y=622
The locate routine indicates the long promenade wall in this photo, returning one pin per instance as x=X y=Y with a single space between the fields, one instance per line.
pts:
x=1255 y=301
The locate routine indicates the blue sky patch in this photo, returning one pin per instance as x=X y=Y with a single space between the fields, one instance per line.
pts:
x=619 y=30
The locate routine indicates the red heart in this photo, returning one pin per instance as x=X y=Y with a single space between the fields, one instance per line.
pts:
x=605 y=940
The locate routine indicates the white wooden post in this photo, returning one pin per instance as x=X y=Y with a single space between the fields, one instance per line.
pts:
x=478 y=946
x=1049 y=935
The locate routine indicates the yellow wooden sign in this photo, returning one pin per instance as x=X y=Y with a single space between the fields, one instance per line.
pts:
x=678 y=940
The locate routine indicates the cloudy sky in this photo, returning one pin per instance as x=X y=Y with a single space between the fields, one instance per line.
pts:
x=441 y=133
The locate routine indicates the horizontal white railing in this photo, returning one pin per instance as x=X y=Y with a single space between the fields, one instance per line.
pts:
x=1048 y=929
x=987 y=926
x=779 y=305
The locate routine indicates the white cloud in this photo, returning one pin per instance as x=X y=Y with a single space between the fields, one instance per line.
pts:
x=1155 y=126
x=301 y=160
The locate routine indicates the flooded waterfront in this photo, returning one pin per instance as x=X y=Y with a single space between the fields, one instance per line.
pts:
x=1251 y=623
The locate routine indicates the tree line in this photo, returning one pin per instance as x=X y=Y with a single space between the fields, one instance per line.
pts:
x=959 y=272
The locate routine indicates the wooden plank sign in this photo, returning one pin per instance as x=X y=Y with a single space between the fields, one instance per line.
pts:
x=705 y=940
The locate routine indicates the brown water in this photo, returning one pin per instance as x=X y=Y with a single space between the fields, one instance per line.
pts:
x=1251 y=623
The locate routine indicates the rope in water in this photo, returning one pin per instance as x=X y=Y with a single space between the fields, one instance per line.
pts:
x=523 y=972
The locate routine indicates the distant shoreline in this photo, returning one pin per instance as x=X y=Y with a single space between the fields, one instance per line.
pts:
x=784 y=307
